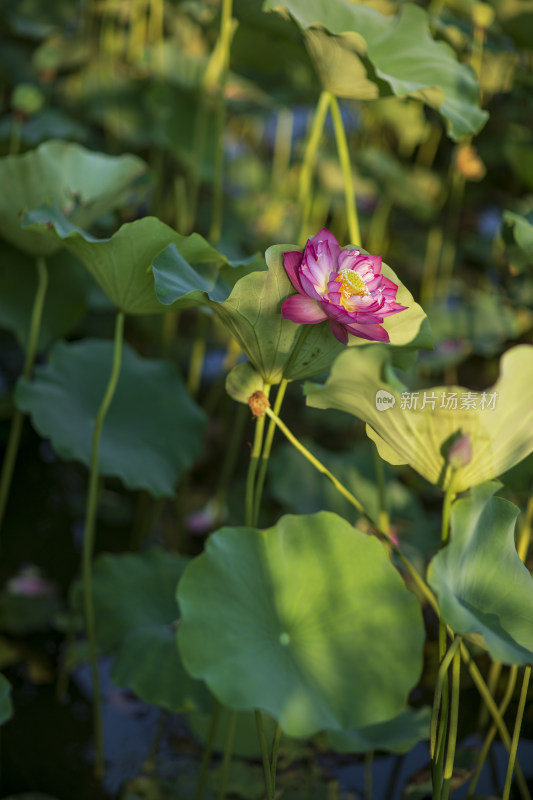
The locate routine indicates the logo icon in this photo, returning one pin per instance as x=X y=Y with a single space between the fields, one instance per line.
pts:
x=384 y=400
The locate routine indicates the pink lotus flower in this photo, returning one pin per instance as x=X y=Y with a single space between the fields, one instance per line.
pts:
x=344 y=287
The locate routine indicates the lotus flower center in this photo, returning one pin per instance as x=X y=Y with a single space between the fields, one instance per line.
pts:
x=351 y=283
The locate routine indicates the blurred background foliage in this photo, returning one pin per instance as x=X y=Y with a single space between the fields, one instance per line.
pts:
x=225 y=143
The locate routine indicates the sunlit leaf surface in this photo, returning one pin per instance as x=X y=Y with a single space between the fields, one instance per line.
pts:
x=265 y=626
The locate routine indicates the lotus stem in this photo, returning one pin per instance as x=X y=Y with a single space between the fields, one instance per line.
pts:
x=306 y=174
x=228 y=751
x=250 y=500
x=223 y=46
x=516 y=734
x=344 y=158
x=267 y=447
x=511 y=683
x=264 y=754
x=88 y=542
x=15 y=431
x=274 y=758
x=208 y=750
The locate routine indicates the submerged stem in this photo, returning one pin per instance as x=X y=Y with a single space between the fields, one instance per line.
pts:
x=15 y=430
x=88 y=541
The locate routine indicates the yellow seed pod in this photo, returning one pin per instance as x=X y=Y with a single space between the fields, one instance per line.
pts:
x=483 y=15
x=469 y=163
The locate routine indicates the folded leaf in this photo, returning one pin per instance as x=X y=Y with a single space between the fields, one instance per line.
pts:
x=417 y=428
x=484 y=590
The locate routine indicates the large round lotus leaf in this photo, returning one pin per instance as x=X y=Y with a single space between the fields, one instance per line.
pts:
x=484 y=590
x=122 y=265
x=417 y=428
x=66 y=295
x=6 y=707
x=397 y=735
x=136 y=619
x=372 y=54
x=81 y=182
x=252 y=314
x=152 y=432
x=303 y=621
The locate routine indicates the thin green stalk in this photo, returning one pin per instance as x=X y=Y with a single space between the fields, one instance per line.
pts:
x=264 y=754
x=282 y=147
x=228 y=751
x=151 y=760
x=208 y=750
x=431 y=262
x=482 y=688
x=274 y=756
x=169 y=327
x=511 y=683
x=267 y=447
x=525 y=534
x=492 y=682
x=346 y=167
x=314 y=461
x=453 y=725
x=439 y=688
x=438 y=762
x=196 y=363
x=455 y=201
x=383 y=515
x=306 y=173
x=230 y=461
x=250 y=518
x=377 y=231
x=516 y=734
x=88 y=542
x=226 y=32
x=15 y=431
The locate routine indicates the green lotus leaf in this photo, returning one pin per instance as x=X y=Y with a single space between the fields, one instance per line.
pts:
x=252 y=314
x=370 y=54
x=136 y=618
x=266 y=627
x=66 y=296
x=82 y=183
x=483 y=588
x=6 y=706
x=153 y=430
x=122 y=264
x=397 y=735
x=499 y=421
x=177 y=284
x=517 y=234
